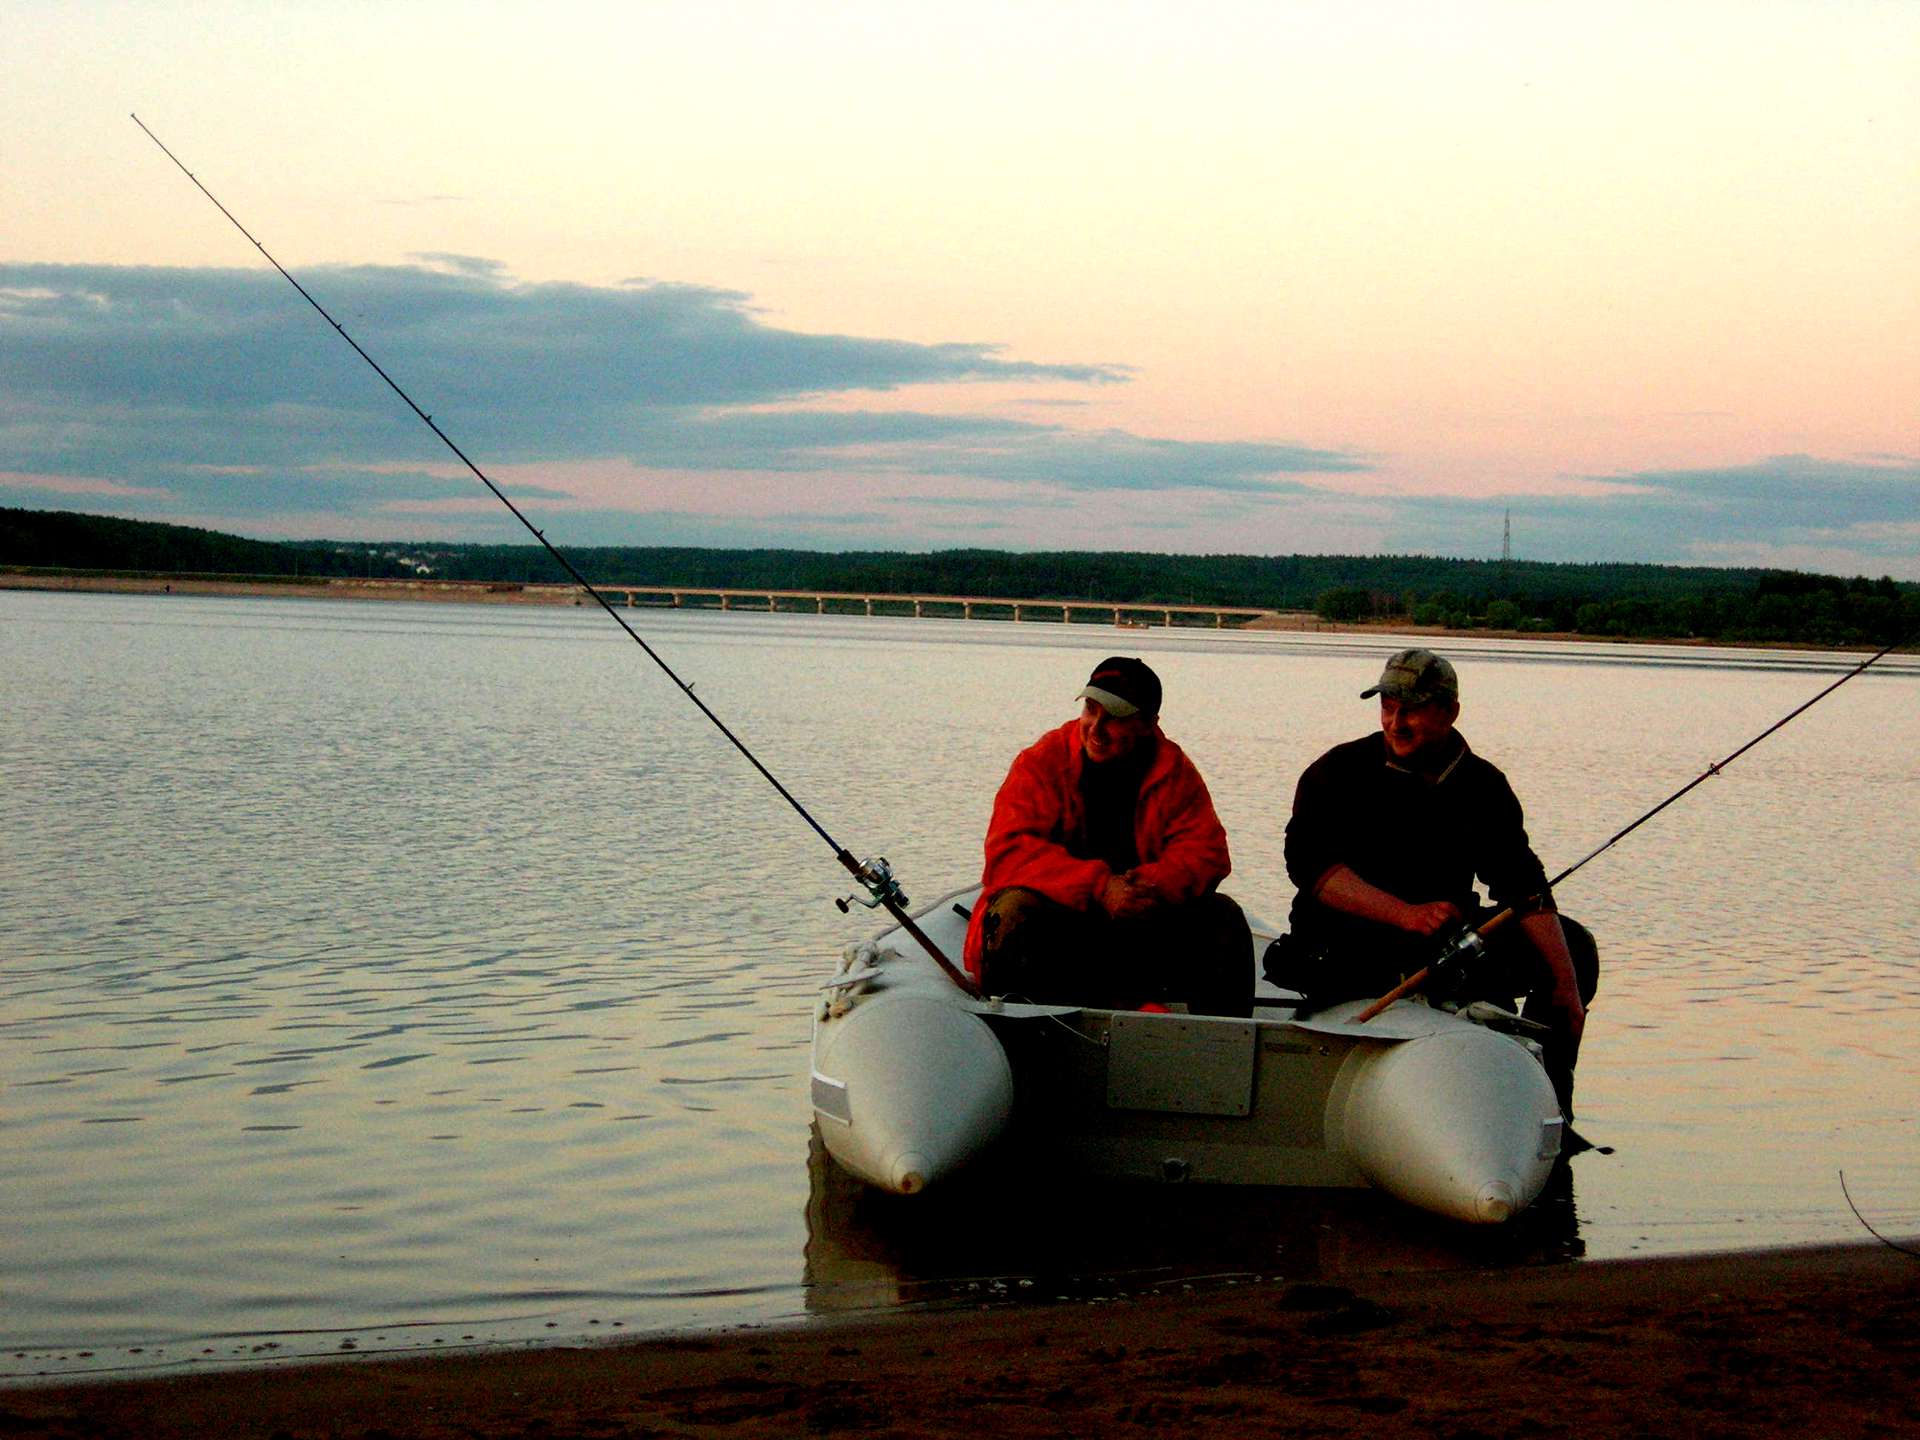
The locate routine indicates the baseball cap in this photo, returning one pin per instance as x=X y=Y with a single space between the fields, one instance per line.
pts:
x=1414 y=677
x=1123 y=686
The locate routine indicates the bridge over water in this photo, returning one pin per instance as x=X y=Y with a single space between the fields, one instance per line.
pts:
x=957 y=607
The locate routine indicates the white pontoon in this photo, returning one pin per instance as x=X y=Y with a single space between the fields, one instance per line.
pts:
x=913 y=1079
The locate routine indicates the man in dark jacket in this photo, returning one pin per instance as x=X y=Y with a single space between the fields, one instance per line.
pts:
x=1103 y=862
x=1388 y=835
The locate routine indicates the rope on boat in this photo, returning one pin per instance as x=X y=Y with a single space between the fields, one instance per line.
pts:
x=874 y=877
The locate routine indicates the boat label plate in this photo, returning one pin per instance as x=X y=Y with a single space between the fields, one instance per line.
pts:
x=1187 y=1064
x=830 y=1099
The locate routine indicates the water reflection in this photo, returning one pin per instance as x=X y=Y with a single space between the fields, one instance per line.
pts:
x=995 y=1237
x=369 y=966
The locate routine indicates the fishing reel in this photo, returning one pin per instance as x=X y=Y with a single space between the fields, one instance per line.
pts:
x=882 y=889
x=1448 y=968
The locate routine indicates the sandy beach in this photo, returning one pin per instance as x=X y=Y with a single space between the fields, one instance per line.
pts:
x=1822 y=1342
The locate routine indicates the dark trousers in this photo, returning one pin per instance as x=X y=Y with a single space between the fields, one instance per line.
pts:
x=1513 y=968
x=1200 y=953
x=1364 y=966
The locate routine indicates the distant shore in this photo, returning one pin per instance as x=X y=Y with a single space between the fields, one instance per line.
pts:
x=480 y=592
x=1776 y=1343
x=476 y=592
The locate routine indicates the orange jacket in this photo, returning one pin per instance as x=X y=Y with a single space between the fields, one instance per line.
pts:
x=1181 y=843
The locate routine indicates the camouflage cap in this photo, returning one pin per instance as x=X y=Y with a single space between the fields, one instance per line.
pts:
x=1414 y=677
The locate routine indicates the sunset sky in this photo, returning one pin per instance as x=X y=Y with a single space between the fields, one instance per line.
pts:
x=1260 y=278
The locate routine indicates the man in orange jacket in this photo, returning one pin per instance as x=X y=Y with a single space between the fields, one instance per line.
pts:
x=1103 y=862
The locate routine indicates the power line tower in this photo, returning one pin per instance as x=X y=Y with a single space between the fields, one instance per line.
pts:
x=1506 y=556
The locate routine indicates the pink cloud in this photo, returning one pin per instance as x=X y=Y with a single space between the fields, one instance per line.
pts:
x=75 y=485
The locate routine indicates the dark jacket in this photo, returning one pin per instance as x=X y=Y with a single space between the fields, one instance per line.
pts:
x=1416 y=838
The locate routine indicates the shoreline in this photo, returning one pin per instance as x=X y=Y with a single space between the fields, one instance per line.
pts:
x=1821 y=1340
x=480 y=592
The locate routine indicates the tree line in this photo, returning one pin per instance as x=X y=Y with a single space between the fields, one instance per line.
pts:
x=1621 y=600
x=1769 y=605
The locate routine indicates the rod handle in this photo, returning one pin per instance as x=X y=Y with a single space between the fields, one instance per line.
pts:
x=894 y=908
x=1420 y=977
x=1406 y=987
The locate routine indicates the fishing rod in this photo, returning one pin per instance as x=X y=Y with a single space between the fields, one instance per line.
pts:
x=874 y=875
x=1470 y=942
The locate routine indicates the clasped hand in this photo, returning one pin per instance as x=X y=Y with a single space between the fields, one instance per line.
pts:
x=1124 y=897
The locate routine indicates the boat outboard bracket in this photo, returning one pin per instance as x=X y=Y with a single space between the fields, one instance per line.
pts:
x=877 y=876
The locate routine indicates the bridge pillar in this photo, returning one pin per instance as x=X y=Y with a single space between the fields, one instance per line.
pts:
x=819 y=604
x=869 y=605
x=917 y=612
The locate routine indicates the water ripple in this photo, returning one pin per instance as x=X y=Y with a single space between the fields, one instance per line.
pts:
x=434 y=970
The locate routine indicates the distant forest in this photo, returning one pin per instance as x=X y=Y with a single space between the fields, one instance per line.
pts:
x=1519 y=595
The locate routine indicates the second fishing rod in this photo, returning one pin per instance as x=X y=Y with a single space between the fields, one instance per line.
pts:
x=874 y=875
x=1470 y=943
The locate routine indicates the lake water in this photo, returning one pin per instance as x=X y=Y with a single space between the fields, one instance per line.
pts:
x=392 y=976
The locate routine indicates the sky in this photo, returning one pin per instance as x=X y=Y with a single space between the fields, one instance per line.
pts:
x=1641 y=280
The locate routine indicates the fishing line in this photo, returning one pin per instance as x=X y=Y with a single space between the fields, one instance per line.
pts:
x=1718 y=766
x=1468 y=943
x=874 y=875
x=1890 y=1244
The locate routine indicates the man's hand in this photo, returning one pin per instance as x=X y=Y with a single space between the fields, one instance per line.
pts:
x=1125 y=898
x=1563 y=994
x=1342 y=889
x=1573 y=1015
x=1430 y=918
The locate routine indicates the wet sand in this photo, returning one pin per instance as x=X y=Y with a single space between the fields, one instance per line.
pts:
x=1822 y=1342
